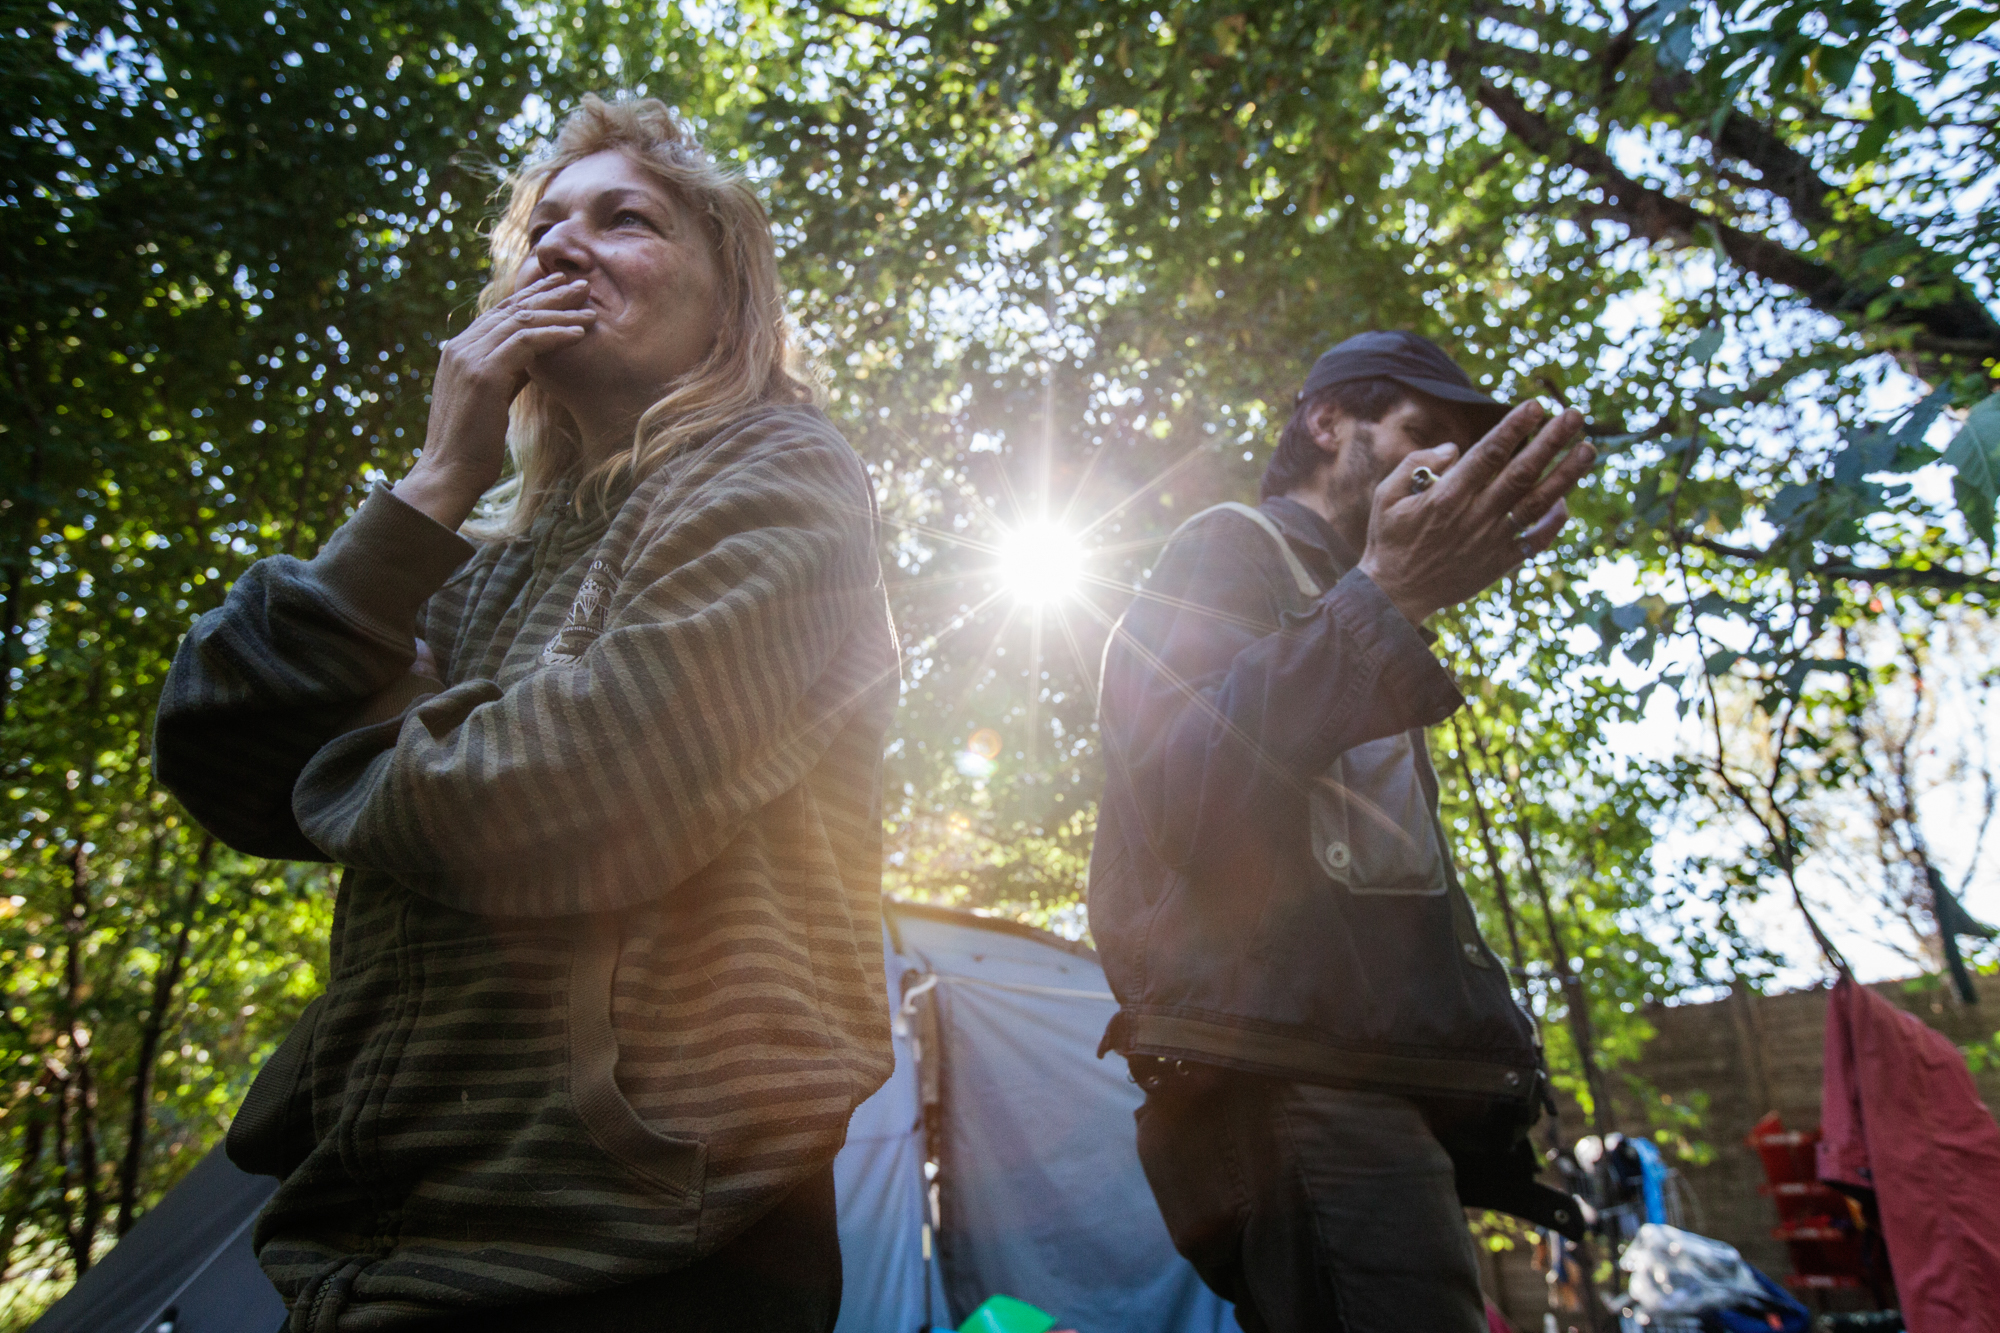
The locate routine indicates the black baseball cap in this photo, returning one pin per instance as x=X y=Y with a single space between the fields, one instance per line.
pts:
x=1408 y=359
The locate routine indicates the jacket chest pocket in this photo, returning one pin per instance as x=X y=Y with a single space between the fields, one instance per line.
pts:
x=1372 y=827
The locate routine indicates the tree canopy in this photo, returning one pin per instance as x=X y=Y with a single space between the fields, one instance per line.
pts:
x=1064 y=264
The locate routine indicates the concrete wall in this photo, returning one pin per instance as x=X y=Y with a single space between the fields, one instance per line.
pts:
x=1748 y=1054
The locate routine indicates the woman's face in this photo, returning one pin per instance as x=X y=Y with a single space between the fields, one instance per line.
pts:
x=653 y=280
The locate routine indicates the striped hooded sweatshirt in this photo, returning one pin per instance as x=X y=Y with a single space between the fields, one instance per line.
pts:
x=606 y=960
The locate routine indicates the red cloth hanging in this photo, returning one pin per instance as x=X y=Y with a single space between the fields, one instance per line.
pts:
x=1902 y=1118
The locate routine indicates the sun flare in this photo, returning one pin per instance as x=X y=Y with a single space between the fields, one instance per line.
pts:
x=1040 y=563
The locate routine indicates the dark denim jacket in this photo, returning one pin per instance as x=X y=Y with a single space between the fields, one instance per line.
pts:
x=1228 y=695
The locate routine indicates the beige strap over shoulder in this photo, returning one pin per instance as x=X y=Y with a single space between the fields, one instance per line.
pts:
x=1300 y=574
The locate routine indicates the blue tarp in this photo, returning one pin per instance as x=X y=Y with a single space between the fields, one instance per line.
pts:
x=1042 y=1194
x=1040 y=1190
x=889 y=1282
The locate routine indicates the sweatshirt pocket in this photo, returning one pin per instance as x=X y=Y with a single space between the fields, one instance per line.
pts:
x=671 y=1164
x=502 y=1114
x=272 y=1131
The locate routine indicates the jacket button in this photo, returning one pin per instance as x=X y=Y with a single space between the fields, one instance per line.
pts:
x=1513 y=1077
x=1338 y=856
x=1471 y=950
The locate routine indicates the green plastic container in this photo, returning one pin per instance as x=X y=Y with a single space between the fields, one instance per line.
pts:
x=1004 y=1314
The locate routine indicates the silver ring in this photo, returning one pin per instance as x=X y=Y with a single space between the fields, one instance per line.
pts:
x=1422 y=479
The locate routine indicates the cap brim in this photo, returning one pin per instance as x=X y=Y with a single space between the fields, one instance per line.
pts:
x=1490 y=410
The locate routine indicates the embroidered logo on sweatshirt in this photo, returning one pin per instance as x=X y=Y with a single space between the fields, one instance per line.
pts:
x=587 y=617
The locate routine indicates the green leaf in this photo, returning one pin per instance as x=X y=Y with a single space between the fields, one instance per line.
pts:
x=1660 y=16
x=1835 y=666
x=1787 y=503
x=1836 y=64
x=1969 y=23
x=1677 y=45
x=1911 y=433
x=1975 y=453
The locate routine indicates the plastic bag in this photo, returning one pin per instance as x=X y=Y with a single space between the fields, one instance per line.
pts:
x=1676 y=1272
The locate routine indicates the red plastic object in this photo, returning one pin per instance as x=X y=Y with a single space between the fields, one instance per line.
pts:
x=1816 y=1222
x=1790 y=1157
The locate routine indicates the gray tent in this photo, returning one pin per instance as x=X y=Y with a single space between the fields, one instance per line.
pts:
x=1037 y=1191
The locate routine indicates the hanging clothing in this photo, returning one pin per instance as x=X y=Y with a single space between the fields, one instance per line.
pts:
x=1901 y=1118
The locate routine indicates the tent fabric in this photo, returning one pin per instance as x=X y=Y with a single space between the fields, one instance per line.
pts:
x=1042 y=1194
x=186 y=1265
x=889 y=1282
x=1900 y=1116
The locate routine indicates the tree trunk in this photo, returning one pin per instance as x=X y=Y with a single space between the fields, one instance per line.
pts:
x=166 y=980
x=1582 y=1030
x=79 y=1113
x=23 y=511
x=1492 y=855
x=21 y=1181
x=1576 y=999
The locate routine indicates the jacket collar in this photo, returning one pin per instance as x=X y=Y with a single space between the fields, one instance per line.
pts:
x=1318 y=544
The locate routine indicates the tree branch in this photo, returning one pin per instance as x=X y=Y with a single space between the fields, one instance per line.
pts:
x=1895 y=576
x=1656 y=215
x=1961 y=324
x=1791 y=175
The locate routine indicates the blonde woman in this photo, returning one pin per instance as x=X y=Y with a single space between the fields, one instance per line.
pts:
x=603 y=773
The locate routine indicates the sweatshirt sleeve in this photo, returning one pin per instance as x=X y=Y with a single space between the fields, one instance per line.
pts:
x=1215 y=724
x=260 y=684
x=597 y=783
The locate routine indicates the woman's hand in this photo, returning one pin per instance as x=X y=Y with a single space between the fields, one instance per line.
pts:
x=478 y=376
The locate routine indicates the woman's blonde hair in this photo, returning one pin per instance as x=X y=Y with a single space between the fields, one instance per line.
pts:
x=753 y=362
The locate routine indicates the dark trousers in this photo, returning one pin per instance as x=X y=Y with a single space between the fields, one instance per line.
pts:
x=780 y=1276
x=1313 y=1209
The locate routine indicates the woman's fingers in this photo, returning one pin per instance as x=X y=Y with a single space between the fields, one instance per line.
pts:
x=572 y=290
x=531 y=340
x=545 y=296
x=544 y=316
x=515 y=334
x=570 y=295
x=541 y=287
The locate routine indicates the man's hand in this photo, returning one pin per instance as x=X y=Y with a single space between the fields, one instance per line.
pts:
x=479 y=373
x=1434 y=548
